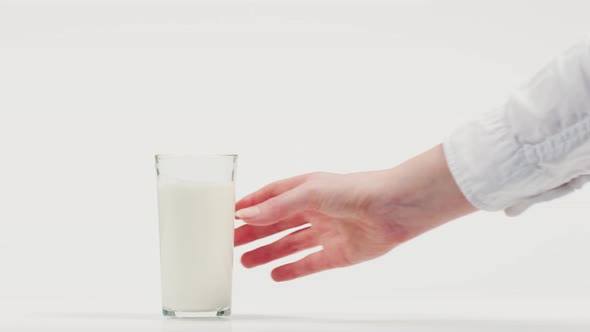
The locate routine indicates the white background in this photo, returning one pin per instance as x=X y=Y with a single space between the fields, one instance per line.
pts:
x=91 y=90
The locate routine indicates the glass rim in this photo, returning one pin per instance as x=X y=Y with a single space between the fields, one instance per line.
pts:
x=160 y=156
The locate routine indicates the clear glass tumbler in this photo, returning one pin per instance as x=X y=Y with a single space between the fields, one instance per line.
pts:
x=196 y=206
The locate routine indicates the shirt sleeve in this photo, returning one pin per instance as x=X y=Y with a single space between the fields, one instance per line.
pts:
x=533 y=148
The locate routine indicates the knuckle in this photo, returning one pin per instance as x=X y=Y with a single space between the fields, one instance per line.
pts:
x=318 y=175
x=312 y=194
x=271 y=209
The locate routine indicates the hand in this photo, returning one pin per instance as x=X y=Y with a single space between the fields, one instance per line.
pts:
x=353 y=217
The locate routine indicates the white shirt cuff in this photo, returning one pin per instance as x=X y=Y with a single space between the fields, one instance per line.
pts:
x=535 y=147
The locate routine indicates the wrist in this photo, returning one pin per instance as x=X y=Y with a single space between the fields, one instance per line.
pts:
x=425 y=192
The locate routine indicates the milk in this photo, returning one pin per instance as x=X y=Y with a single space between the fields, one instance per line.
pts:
x=196 y=245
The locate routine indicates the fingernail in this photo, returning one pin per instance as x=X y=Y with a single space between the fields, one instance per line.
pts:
x=248 y=213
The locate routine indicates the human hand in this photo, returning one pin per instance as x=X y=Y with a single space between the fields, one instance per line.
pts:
x=353 y=217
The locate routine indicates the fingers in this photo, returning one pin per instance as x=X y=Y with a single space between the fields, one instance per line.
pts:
x=249 y=233
x=270 y=191
x=290 y=244
x=313 y=263
x=279 y=207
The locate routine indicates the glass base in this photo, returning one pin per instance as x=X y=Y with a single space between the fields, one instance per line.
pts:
x=225 y=312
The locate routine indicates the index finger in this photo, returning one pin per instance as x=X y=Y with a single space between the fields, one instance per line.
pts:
x=270 y=191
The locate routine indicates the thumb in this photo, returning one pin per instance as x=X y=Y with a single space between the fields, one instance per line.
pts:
x=278 y=207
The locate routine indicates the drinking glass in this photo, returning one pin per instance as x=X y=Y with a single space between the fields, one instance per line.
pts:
x=196 y=205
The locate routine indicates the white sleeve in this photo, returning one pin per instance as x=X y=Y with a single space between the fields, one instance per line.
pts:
x=533 y=148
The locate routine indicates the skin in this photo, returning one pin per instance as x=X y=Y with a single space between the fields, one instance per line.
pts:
x=353 y=217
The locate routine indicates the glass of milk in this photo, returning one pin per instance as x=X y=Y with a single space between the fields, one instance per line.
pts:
x=196 y=205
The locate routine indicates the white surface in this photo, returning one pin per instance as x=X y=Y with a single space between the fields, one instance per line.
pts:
x=334 y=319
x=196 y=244
x=359 y=315
x=151 y=322
x=88 y=93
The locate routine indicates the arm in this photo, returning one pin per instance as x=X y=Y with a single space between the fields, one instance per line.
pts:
x=354 y=217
